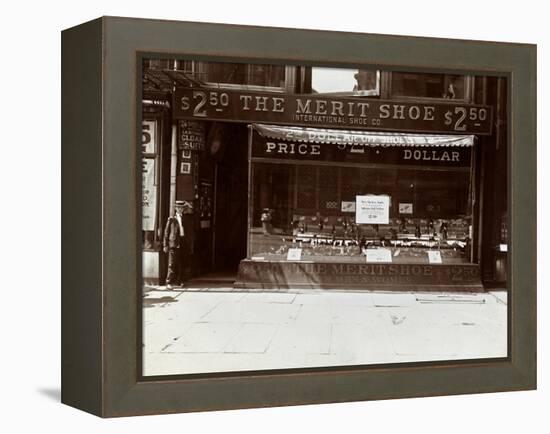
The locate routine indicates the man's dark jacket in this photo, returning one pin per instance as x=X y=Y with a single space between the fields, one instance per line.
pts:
x=173 y=238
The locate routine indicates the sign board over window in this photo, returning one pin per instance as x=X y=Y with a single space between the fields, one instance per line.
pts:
x=328 y=111
x=435 y=155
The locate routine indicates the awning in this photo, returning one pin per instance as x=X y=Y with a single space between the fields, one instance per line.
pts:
x=364 y=138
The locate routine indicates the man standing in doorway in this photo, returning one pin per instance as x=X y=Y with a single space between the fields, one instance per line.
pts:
x=174 y=236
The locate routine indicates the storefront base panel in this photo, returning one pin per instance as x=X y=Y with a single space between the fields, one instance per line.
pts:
x=150 y=265
x=371 y=277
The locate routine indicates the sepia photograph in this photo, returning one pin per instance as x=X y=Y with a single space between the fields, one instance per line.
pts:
x=301 y=216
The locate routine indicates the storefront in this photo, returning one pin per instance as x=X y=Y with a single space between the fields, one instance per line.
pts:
x=326 y=191
x=357 y=209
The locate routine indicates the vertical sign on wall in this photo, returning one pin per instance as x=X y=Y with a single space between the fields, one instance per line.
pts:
x=191 y=139
x=148 y=171
x=149 y=137
x=191 y=135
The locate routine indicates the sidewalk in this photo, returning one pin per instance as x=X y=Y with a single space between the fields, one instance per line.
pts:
x=221 y=329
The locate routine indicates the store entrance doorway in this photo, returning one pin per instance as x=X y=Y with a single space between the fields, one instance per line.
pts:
x=231 y=204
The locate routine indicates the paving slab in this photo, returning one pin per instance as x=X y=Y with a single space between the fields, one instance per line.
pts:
x=269 y=297
x=182 y=309
x=252 y=312
x=158 y=337
x=358 y=315
x=325 y=297
x=360 y=344
x=395 y=299
x=301 y=338
x=205 y=338
x=313 y=314
x=500 y=296
x=252 y=338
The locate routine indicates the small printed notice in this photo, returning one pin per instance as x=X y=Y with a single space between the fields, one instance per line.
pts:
x=348 y=206
x=405 y=208
x=294 y=254
x=434 y=256
x=372 y=209
x=149 y=194
x=378 y=255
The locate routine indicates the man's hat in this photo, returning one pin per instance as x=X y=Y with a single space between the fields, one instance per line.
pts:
x=183 y=204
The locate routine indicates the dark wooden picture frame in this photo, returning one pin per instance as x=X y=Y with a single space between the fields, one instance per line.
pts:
x=101 y=230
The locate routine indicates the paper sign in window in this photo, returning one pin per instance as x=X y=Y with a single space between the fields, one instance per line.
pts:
x=434 y=256
x=372 y=209
x=294 y=254
x=379 y=255
x=405 y=208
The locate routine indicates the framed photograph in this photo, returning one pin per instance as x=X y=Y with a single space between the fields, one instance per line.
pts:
x=365 y=224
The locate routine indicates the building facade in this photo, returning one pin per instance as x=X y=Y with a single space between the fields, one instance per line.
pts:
x=300 y=176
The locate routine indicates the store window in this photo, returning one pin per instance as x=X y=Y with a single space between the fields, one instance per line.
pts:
x=425 y=85
x=315 y=205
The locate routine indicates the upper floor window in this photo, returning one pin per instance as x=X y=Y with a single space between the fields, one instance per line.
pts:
x=344 y=81
x=242 y=74
x=222 y=74
x=159 y=64
x=427 y=85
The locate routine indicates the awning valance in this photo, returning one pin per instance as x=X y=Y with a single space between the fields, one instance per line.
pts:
x=364 y=138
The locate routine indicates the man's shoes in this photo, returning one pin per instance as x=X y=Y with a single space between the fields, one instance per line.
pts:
x=168 y=286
